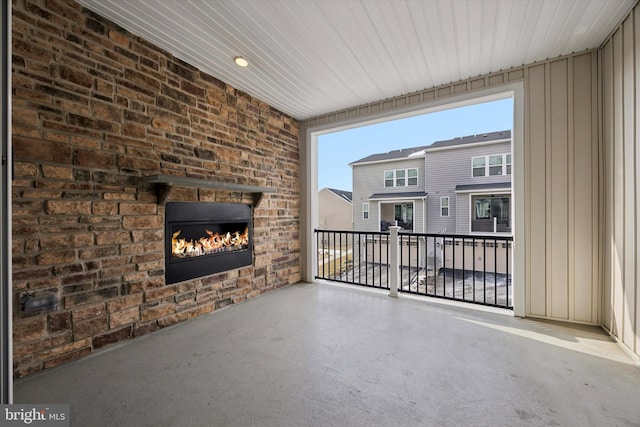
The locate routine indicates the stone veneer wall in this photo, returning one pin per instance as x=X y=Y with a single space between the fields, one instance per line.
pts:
x=96 y=108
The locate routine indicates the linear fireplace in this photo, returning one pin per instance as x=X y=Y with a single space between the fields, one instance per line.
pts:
x=206 y=238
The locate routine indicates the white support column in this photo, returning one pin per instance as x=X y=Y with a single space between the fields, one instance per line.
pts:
x=308 y=145
x=394 y=261
x=519 y=207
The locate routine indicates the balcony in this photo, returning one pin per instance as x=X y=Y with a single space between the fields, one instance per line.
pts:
x=327 y=355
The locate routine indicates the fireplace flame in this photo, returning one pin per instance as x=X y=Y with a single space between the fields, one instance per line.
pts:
x=210 y=244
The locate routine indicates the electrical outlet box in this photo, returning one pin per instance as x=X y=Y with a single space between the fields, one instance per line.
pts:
x=33 y=303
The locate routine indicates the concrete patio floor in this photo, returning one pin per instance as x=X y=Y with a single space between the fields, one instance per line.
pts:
x=328 y=355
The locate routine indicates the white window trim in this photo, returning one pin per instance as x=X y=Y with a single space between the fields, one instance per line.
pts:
x=501 y=157
x=406 y=178
x=474 y=168
x=487 y=166
x=417 y=177
x=365 y=209
x=448 y=206
x=384 y=178
x=397 y=177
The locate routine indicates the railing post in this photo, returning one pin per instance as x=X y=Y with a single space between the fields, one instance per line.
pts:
x=394 y=262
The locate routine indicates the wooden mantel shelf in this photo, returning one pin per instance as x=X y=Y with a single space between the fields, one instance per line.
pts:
x=164 y=183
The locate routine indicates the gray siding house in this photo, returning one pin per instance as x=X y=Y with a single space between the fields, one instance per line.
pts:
x=468 y=182
x=390 y=187
x=457 y=186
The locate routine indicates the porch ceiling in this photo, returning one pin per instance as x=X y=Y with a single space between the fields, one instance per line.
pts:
x=314 y=57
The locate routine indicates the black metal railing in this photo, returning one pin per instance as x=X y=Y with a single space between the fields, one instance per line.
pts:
x=357 y=258
x=471 y=268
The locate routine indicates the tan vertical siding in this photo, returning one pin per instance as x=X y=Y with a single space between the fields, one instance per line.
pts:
x=636 y=112
x=559 y=190
x=618 y=187
x=621 y=107
x=561 y=143
x=536 y=213
x=607 y=193
x=584 y=263
x=629 y=191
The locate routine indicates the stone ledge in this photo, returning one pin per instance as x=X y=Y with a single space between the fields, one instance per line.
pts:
x=166 y=182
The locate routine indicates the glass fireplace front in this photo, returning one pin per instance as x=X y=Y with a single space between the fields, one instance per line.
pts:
x=206 y=238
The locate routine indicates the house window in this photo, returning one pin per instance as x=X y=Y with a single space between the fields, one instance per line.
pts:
x=365 y=211
x=491 y=214
x=401 y=177
x=478 y=166
x=444 y=206
x=412 y=177
x=493 y=165
x=388 y=178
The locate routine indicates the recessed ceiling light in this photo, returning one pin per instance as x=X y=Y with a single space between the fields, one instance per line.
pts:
x=240 y=61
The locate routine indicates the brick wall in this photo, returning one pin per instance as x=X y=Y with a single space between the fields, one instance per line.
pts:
x=94 y=110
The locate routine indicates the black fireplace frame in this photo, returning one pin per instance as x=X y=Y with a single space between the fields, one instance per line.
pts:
x=181 y=269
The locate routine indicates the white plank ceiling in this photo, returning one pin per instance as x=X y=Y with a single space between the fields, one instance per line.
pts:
x=313 y=57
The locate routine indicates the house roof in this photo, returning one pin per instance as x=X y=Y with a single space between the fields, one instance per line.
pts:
x=346 y=195
x=484 y=186
x=419 y=151
x=392 y=155
x=471 y=139
x=315 y=57
x=404 y=195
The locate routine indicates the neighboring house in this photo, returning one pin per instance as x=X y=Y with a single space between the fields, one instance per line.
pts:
x=457 y=186
x=335 y=209
x=389 y=187
x=468 y=182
